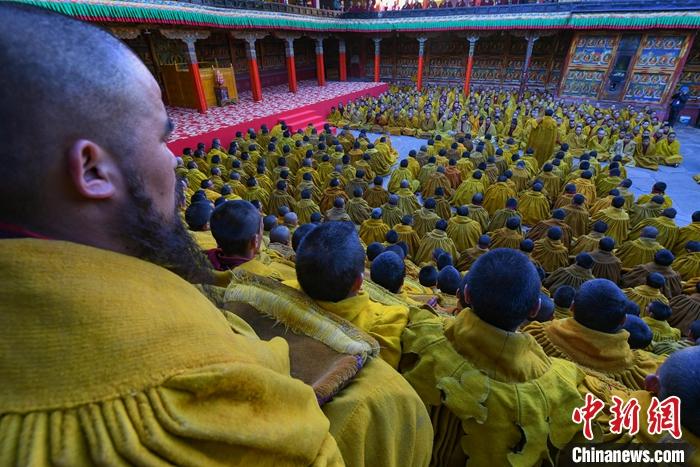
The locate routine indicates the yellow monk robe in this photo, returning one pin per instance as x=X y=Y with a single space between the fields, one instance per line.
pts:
x=669 y=153
x=479 y=214
x=643 y=295
x=690 y=232
x=464 y=232
x=424 y=220
x=400 y=174
x=434 y=239
x=645 y=156
x=600 y=204
x=496 y=196
x=600 y=145
x=639 y=251
x=534 y=207
x=506 y=238
x=688 y=266
x=551 y=254
x=668 y=230
x=391 y=214
x=436 y=180
x=373 y=230
x=476 y=397
x=443 y=207
x=573 y=276
x=499 y=219
x=305 y=208
x=577 y=143
x=542 y=139
x=408 y=203
x=599 y=354
x=466 y=190
x=165 y=399
x=376 y=196
x=577 y=218
x=662 y=331
x=646 y=198
x=384 y=323
x=363 y=412
x=409 y=237
x=586 y=243
x=205 y=240
x=618 y=223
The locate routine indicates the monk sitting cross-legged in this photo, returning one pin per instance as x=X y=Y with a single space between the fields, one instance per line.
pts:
x=593 y=338
x=478 y=375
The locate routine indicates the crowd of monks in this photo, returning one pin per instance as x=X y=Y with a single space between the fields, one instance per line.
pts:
x=476 y=213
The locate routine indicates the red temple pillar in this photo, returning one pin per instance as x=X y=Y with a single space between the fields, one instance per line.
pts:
x=291 y=66
x=421 y=50
x=342 y=61
x=255 y=86
x=377 y=42
x=531 y=38
x=190 y=38
x=470 y=63
x=320 y=68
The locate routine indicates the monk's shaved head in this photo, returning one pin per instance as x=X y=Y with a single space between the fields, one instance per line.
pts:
x=69 y=80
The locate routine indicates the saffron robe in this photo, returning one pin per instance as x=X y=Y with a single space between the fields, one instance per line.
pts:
x=434 y=239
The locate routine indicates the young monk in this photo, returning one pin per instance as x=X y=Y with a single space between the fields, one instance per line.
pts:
x=467 y=257
x=605 y=264
x=550 y=252
x=617 y=219
x=648 y=292
x=463 y=230
x=593 y=338
x=436 y=238
x=563 y=298
x=641 y=250
x=657 y=315
x=469 y=371
x=508 y=236
x=663 y=259
x=686 y=310
x=589 y=242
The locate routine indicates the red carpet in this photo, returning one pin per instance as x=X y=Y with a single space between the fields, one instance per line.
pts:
x=191 y=127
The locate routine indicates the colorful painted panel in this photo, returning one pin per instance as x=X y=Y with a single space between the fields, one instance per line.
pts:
x=446 y=68
x=691 y=73
x=514 y=70
x=407 y=67
x=487 y=69
x=661 y=52
x=647 y=87
x=593 y=51
x=583 y=83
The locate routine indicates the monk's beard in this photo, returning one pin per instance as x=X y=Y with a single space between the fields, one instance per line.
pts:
x=162 y=241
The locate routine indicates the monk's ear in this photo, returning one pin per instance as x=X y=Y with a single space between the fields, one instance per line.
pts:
x=92 y=170
x=535 y=309
x=467 y=296
x=652 y=384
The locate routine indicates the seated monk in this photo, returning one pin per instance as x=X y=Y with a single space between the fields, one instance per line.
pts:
x=357 y=208
x=468 y=256
x=330 y=194
x=661 y=264
x=672 y=380
x=616 y=218
x=589 y=242
x=437 y=179
x=407 y=235
x=577 y=216
x=668 y=150
x=373 y=229
x=593 y=338
x=424 y=218
x=641 y=250
x=448 y=282
x=130 y=363
x=573 y=276
x=306 y=207
x=550 y=251
x=197 y=217
x=648 y=292
x=686 y=310
x=534 y=205
x=468 y=188
x=540 y=230
x=391 y=213
x=657 y=315
x=402 y=173
x=357 y=182
x=563 y=297
x=508 y=236
x=408 y=203
x=338 y=212
x=280 y=242
x=477 y=373
x=499 y=219
x=664 y=223
x=688 y=265
x=463 y=231
x=645 y=155
x=436 y=238
x=641 y=212
x=605 y=264
x=565 y=198
x=497 y=194
x=329 y=265
x=477 y=211
x=688 y=233
x=238 y=229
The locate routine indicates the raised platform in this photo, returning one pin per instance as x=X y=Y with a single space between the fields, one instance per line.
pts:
x=310 y=104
